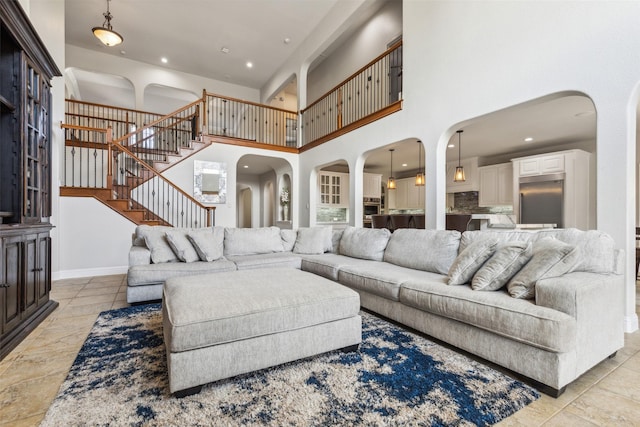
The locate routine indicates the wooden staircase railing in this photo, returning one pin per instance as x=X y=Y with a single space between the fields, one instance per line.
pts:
x=116 y=176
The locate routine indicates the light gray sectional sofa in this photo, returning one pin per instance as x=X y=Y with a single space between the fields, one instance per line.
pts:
x=547 y=305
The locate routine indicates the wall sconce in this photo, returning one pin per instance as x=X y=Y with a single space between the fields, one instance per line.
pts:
x=459 y=175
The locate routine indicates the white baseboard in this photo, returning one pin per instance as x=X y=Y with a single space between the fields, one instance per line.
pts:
x=631 y=323
x=89 y=272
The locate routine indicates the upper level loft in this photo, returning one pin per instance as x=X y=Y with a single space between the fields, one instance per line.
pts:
x=372 y=92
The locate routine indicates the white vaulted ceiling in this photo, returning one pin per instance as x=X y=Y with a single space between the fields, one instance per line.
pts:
x=191 y=33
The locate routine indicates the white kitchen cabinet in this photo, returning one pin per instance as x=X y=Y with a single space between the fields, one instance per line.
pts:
x=372 y=185
x=406 y=195
x=541 y=165
x=496 y=185
x=472 y=181
x=333 y=189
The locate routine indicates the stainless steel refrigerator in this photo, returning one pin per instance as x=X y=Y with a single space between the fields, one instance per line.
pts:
x=542 y=199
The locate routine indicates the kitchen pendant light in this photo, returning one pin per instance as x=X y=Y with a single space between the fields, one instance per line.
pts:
x=391 y=182
x=420 y=174
x=459 y=175
x=105 y=33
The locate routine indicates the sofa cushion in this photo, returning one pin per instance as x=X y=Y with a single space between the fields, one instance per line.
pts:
x=597 y=249
x=272 y=260
x=248 y=241
x=156 y=240
x=288 y=239
x=381 y=278
x=502 y=236
x=517 y=319
x=428 y=250
x=328 y=265
x=470 y=260
x=313 y=240
x=153 y=274
x=336 y=235
x=507 y=260
x=208 y=242
x=181 y=245
x=364 y=243
x=551 y=258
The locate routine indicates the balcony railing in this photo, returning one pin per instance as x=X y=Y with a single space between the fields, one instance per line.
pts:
x=368 y=94
x=92 y=115
x=237 y=119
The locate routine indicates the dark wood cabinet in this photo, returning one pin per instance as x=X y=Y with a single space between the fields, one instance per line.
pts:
x=26 y=70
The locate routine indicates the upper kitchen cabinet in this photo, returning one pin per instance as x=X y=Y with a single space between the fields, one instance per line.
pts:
x=540 y=165
x=496 y=185
x=333 y=189
x=575 y=170
x=471 y=183
x=372 y=185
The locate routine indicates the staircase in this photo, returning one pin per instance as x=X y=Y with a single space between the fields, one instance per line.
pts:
x=125 y=173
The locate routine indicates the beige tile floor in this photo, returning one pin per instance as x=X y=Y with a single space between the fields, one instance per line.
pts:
x=30 y=376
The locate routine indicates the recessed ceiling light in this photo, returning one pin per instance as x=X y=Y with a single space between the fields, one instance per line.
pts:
x=164 y=60
x=450 y=146
x=528 y=139
x=224 y=49
x=585 y=113
x=246 y=166
x=287 y=40
x=123 y=52
x=249 y=64
x=404 y=165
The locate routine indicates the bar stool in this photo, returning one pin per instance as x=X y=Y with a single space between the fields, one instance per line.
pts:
x=400 y=221
x=380 y=221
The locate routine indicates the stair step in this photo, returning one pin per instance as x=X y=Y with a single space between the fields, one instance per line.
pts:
x=120 y=204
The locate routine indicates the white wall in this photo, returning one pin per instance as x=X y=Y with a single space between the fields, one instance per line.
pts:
x=94 y=241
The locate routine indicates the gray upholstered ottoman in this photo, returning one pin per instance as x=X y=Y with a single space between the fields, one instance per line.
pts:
x=224 y=324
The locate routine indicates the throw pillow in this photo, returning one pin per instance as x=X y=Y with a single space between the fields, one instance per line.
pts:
x=312 y=241
x=156 y=241
x=551 y=258
x=470 y=260
x=181 y=245
x=507 y=260
x=208 y=242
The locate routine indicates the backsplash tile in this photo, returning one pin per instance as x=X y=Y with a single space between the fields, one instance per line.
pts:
x=467 y=202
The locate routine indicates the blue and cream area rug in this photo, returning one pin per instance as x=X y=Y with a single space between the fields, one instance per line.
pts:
x=396 y=378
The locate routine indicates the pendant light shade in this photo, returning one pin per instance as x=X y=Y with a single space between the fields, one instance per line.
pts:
x=459 y=175
x=391 y=182
x=105 y=33
x=420 y=174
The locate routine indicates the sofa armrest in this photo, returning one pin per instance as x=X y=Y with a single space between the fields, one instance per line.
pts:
x=579 y=292
x=596 y=301
x=139 y=255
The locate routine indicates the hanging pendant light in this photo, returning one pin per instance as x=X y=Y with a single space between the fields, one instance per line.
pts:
x=391 y=182
x=420 y=174
x=459 y=175
x=105 y=33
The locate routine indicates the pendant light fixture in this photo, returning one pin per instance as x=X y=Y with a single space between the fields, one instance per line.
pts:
x=459 y=175
x=391 y=182
x=420 y=174
x=105 y=33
